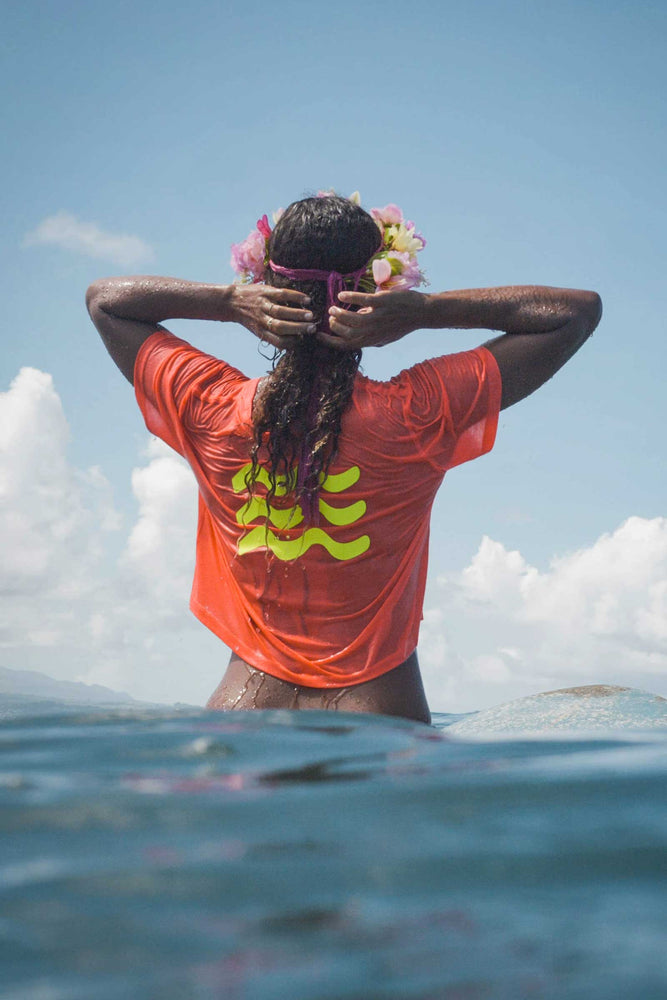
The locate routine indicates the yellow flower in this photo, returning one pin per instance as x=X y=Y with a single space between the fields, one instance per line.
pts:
x=403 y=239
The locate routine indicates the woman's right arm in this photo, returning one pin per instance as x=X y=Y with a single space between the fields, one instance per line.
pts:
x=542 y=326
x=126 y=311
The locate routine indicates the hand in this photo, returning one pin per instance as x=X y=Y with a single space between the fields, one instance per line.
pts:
x=383 y=318
x=275 y=315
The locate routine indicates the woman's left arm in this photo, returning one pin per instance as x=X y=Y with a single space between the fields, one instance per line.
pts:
x=128 y=310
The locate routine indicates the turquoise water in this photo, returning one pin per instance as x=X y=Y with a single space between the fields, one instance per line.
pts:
x=276 y=855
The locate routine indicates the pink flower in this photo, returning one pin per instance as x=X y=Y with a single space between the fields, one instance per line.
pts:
x=248 y=257
x=381 y=271
x=410 y=275
x=396 y=271
x=264 y=227
x=390 y=215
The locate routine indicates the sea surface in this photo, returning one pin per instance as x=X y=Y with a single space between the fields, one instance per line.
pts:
x=180 y=854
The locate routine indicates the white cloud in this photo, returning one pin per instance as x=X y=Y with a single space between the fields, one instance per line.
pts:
x=53 y=521
x=504 y=629
x=68 y=608
x=45 y=528
x=160 y=547
x=143 y=636
x=66 y=231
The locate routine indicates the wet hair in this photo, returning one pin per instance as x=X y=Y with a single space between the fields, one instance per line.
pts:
x=297 y=415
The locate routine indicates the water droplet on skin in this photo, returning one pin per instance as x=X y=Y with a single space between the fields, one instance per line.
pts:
x=332 y=703
x=258 y=688
x=244 y=689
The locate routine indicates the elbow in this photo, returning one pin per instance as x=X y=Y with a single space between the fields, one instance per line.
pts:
x=585 y=317
x=101 y=297
x=94 y=297
x=592 y=307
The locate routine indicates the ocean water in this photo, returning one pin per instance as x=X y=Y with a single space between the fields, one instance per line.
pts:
x=270 y=855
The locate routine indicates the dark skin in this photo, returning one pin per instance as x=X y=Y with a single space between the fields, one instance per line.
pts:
x=399 y=692
x=127 y=310
x=541 y=329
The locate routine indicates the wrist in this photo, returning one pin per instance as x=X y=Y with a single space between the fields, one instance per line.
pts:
x=461 y=310
x=429 y=317
x=227 y=302
x=439 y=311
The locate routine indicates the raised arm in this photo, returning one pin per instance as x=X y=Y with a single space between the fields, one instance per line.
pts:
x=128 y=310
x=543 y=327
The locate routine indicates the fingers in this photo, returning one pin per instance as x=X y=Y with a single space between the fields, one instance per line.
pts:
x=285 y=314
x=282 y=340
x=277 y=342
x=338 y=343
x=342 y=338
x=358 y=298
x=283 y=329
x=283 y=321
x=287 y=295
x=349 y=320
x=340 y=330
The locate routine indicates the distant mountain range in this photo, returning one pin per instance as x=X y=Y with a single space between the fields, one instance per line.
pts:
x=31 y=684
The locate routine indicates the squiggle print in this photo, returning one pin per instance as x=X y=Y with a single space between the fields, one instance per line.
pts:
x=289 y=549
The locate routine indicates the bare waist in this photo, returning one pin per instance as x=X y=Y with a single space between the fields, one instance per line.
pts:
x=399 y=692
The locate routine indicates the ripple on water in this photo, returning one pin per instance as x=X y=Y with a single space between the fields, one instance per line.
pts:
x=280 y=854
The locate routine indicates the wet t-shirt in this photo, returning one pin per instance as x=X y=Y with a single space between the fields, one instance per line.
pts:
x=336 y=599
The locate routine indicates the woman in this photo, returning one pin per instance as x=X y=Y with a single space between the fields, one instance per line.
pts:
x=316 y=483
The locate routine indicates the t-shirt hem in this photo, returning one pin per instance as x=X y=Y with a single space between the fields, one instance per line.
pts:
x=317 y=680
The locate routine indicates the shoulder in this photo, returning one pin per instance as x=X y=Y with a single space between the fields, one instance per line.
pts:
x=448 y=380
x=450 y=369
x=178 y=386
x=168 y=363
x=444 y=410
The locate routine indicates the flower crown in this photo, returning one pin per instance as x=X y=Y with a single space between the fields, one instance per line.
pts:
x=394 y=266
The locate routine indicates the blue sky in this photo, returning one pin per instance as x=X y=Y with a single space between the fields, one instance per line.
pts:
x=526 y=140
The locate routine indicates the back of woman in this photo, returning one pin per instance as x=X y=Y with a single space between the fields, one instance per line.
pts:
x=316 y=484
x=332 y=596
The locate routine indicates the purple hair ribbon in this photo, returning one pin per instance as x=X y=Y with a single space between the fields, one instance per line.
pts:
x=310 y=498
x=334 y=279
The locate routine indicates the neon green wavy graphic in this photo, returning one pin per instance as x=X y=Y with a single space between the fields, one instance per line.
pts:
x=289 y=549
x=258 y=507
x=290 y=518
x=332 y=483
x=343 y=515
x=342 y=481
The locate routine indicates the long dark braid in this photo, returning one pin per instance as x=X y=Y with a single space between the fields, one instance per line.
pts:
x=299 y=411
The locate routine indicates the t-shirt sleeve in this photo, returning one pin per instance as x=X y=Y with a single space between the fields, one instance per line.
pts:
x=173 y=382
x=452 y=404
